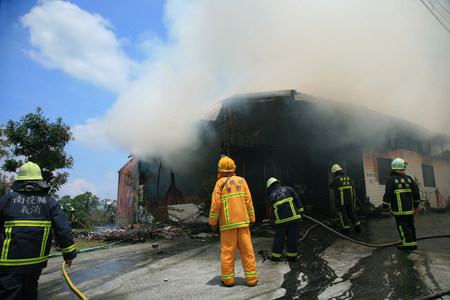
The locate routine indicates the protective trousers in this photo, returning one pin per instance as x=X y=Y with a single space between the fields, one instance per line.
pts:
x=406 y=229
x=229 y=241
x=19 y=286
x=345 y=213
x=281 y=232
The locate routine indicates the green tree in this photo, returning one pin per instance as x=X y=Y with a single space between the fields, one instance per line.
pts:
x=5 y=180
x=4 y=143
x=5 y=184
x=85 y=202
x=86 y=208
x=34 y=138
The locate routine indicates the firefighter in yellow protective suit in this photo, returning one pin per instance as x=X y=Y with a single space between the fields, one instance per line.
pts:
x=232 y=206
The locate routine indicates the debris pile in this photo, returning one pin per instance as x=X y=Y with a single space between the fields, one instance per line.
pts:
x=138 y=233
x=135 y=233
x=170 y=232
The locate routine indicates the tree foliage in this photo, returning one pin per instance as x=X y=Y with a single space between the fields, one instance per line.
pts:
x=4 y=143
x=5 y=184
x=34 y=138
x=5 y=180
x=89 y=209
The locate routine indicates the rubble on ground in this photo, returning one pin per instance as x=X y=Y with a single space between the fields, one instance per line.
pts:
x=138 y=233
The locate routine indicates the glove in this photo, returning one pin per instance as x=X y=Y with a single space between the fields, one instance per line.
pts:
x=385 y=206
x=416 y=210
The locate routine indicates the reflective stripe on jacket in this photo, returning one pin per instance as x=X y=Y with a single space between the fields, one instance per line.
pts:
x=343 y=187
x=286 y=204
x=26 y=220
x=402 y=193
x=231 y=203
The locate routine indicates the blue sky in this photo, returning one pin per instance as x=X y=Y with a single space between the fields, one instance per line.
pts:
x=128 y=76
x=26 y=84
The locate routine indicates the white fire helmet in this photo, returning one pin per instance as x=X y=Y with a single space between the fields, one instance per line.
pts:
x=335 y=168
x=398 y=164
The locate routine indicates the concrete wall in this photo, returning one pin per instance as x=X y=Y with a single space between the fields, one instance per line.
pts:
x=375 y=190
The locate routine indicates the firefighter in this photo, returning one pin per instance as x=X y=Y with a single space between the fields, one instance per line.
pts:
x=57 y=247
x=343 y=197
x=232 y=206
x=403 y=194
x=288 y=212
x=27 y=216
x=73 y=219
x=110 y=212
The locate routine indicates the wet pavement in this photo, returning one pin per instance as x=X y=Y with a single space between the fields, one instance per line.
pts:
x=329 y=267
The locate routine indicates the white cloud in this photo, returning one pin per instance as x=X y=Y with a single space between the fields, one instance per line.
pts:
x=108 y=190
x=77 y=187
x=111 y=175
x=79 y=43
x=93 y=134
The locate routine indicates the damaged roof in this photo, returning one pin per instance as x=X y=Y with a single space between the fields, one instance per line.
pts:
x=362 y=115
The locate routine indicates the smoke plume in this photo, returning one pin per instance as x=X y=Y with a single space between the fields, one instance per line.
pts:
x=390 y=56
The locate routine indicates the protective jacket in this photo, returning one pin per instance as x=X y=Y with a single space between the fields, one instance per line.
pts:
x=402 y=193
x=344 y=189
x=286 y=204
x=231 y=203
x=27 y=216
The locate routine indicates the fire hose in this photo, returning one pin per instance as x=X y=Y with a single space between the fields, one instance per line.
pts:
x=358 y=242
x=429 y=297
x=70 y=283
x=82 y=250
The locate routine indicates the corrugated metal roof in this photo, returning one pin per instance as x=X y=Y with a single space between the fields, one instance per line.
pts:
x=402 y=127
x=212 y=113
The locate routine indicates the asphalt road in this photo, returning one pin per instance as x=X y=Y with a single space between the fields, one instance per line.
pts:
x=329 y=267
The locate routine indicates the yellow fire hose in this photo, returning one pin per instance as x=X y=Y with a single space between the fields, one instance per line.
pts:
x=70 y=283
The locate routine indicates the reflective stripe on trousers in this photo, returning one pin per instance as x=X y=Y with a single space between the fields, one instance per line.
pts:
x=229 y=241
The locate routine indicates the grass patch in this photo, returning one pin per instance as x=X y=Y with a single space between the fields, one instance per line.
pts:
x=84 y=229
x=81 y=244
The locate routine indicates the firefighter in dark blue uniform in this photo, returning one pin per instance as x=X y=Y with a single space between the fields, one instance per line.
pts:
x=403 y=194
x=288 y=211
x=343 y=197
x=27 y=217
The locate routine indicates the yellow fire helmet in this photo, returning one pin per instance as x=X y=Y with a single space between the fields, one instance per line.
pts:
x=30 y=171
x=226 y=165
x=271 y=181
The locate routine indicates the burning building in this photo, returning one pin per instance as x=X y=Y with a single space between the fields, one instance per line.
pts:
x=297 y=138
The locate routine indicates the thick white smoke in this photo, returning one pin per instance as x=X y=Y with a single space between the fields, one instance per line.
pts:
x=390 y=56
